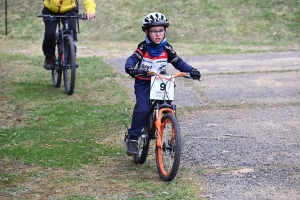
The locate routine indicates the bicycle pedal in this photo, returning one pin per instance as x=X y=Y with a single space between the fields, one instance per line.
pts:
x=132 y=155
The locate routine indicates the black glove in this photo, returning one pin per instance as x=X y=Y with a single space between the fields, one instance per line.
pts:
x=195 y=74
x=133 y=72
x=130 y=71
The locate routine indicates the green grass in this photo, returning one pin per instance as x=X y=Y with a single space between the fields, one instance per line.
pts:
x=52 y=139
x=53 y=124
x=204 y=27
x=57 y=146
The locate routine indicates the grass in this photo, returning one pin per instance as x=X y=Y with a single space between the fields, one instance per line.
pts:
x=52 y=124
x=206 y=27
x=54 y=146
x=61 y=142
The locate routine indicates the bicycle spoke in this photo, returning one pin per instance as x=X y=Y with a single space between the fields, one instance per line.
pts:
x=144 y=144
x=56 y=72
x=70 y=65
x=168 y=155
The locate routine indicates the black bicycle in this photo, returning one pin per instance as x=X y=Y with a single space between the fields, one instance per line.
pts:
x=65 y=54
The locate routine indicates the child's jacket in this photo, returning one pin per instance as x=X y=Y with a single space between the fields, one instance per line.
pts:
x=142 y=59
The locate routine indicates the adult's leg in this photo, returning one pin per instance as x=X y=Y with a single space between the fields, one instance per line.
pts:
x=73 y=22
x=49 y=35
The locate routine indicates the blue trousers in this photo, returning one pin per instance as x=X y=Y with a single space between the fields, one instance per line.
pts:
x=142 y=93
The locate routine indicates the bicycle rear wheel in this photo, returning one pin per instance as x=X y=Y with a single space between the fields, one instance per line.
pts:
x=168 y=155
x=56 y=77
x=143 y=146
x=56 y=72
x=70 y=65
x=144 y=142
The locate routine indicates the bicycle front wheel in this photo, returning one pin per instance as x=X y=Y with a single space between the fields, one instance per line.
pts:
x=70 y=65
x=168 y=155
x=56 y=72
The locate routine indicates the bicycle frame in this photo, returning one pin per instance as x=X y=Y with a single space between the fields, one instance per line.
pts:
x=62 y=32
x=65 y=56
x=161 y=109
x=159 y=125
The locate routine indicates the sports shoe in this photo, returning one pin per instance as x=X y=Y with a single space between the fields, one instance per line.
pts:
x=132 y=147
x=48 y=65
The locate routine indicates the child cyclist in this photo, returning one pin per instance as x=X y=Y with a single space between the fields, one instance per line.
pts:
x=152 y=54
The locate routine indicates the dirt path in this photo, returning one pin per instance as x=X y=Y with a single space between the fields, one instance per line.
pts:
x=246 y=138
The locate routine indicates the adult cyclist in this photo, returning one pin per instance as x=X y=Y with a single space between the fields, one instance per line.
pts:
x=59 y=7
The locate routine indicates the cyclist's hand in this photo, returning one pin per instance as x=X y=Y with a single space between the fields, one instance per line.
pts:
x=131 y=71
x=140 y=72
x=134 y=72
x=195 y=74
x=90 y=16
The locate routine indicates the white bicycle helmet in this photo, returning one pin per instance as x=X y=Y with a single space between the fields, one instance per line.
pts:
x=154 y=19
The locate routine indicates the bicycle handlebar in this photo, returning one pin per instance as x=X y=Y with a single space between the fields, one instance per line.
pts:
x=178 y=74
x=79 y=16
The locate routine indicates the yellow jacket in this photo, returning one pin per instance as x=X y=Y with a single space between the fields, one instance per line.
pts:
x=62 y=6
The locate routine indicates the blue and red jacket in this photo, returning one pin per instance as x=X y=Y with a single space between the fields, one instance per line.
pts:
x=142 y=59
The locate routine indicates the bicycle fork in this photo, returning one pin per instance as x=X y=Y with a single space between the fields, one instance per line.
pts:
x=159 y=125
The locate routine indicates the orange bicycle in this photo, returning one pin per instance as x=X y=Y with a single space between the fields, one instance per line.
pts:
x=163 y=126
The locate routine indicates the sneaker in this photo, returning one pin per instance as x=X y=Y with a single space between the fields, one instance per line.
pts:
x=132 y=147
x=48 y=65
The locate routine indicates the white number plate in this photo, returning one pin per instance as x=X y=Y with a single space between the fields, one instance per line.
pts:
x=162 y=88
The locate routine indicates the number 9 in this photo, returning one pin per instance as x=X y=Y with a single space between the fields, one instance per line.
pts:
x=162 y=87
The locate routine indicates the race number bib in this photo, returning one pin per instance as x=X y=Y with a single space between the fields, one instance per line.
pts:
x=158 y=66
x=162 y=88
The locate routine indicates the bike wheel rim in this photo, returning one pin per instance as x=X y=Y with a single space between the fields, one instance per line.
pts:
x=165 y=153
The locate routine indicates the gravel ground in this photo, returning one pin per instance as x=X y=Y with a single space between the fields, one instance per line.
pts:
x=246 y=139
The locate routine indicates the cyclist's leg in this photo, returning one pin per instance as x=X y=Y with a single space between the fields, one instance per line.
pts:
x=142 y=92
x=73 y=23
x=49 y=39
x=72 y=26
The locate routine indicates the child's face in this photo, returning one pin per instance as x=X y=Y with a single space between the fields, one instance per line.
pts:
x=156 y=33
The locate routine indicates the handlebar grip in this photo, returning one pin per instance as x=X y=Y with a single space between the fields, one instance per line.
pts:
x=83 y=16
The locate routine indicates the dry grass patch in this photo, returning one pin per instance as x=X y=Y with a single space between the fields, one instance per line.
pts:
x=103 y=181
